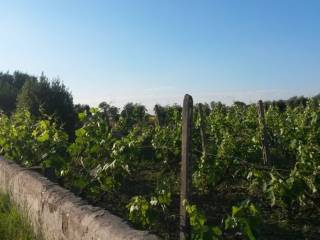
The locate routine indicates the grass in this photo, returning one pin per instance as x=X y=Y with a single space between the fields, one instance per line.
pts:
x=13 y=225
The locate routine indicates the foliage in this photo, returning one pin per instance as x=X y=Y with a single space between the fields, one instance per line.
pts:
x=139 y=211
x=33 y=142
x=198 y=223
x=10 y=86
x=13 y=225
x=244 y=218
x=92 y=168
x=52 y=98
x=145 y=213
x=131 y=161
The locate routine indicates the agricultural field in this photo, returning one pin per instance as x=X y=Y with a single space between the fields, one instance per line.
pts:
x=189 y=120
x=129 y=163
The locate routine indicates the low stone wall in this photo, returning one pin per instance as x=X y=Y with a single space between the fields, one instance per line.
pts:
x=57 y=214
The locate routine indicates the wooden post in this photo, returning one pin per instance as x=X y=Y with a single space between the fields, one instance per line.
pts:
x=157 y=115
x=202 y=133
x=265 y=140
x=185 y=188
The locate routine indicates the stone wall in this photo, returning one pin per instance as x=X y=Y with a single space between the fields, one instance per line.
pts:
x=57 y=214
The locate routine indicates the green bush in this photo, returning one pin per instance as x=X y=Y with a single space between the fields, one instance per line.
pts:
x=13 y=225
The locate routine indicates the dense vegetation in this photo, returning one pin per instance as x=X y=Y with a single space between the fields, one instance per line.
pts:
x=13 y=226
x=38 y=96
x=129 y=162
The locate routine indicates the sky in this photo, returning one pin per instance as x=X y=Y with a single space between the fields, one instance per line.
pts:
x=155 y=51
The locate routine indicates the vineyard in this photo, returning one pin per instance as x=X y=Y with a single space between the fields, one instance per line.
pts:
x=254 y=176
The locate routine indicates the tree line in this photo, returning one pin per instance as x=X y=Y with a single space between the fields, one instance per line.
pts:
x=41 y=96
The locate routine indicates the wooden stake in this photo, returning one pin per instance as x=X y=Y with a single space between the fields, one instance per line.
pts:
x=185 y=188
x=202 y=133
x=157 y=113
x=265 y=140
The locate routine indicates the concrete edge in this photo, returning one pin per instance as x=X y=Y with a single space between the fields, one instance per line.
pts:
x=57 y=214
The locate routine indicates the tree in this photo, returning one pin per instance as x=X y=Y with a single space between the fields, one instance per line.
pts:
x=240 y=104
x=111 y=112
x=297 y=101
x=167 y=114
x=10 y=86
x=79 y=108
x=51 y=98
x=131 y=115
x=134 y=111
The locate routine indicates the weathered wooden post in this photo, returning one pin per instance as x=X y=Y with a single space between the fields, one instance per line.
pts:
x=186 y=167
x=157 y=115
x=265 y=140
x=202 y=133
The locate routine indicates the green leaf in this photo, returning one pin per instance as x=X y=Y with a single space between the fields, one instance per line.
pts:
x=43 y=137
x=235 y=210
x=247 y=230
x=216 y=231
x=82 y=116
x=80 y=132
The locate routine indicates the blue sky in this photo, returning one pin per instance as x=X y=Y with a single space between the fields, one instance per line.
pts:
x=152 y=51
